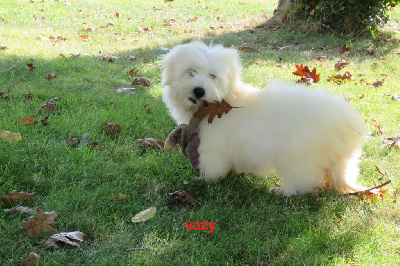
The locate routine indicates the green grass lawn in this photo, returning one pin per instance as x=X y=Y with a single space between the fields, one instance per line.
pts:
x=254 y=225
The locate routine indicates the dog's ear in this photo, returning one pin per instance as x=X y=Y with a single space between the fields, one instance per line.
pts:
x=168 y=63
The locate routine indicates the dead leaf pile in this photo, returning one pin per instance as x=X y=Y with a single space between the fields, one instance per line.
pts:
x=39 y=224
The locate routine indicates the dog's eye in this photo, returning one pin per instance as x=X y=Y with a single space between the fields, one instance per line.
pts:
x=191 y=72
x=212 y=76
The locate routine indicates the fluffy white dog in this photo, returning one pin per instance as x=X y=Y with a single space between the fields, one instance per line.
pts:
x=310 y=137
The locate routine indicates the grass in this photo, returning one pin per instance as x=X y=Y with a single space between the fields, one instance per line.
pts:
x=253 y=224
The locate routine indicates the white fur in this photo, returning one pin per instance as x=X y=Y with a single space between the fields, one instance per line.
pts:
x=310 y=137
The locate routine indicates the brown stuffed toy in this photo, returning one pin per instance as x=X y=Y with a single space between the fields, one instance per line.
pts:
x=187 y=136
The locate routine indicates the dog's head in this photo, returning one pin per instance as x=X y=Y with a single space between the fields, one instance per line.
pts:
x=195 y=71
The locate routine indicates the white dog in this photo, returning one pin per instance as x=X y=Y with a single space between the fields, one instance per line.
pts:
x=311 y=138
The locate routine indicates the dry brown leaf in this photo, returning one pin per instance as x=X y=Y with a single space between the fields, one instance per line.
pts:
x=108 y=58
x=245 y=48
x=10 y=137
x=132 y=58
x=40 y=224
x=3 y=47
x=29 y=96
x=30 y=66
x=321 y=58
x=111 y=128
x=347 y=76
x=182 y=197
x=378 y=129
x=342 y=63
x=50 y=76
x=378 y=83
x=33 y=259
x=143 y=81
x=213 y=109
x=373 y=193
x=28 y=120
x=4 y=95
x=394 y=142
x=70 y=238
x=19 y=210
x=49 y=106
x=152 y=142
x=133 y=72
x=15 y=196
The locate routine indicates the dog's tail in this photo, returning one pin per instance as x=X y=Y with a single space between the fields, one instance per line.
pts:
x=342 y=176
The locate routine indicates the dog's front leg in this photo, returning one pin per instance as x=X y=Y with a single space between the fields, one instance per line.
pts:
x=213 y=167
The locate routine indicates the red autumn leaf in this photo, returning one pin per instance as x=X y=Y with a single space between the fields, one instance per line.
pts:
x=344 y=49
x=306 y=76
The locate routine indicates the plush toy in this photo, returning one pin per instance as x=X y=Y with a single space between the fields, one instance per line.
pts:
x=187 y=135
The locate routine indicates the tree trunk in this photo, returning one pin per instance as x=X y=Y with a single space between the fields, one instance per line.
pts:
x=286 y=13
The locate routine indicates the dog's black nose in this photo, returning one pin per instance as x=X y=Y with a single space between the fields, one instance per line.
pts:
x=199 y=92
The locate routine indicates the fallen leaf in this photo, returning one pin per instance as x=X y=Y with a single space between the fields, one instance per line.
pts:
x=143 y=81
x=29 y=96
x=119 y=196
x=4 y=95
x=50 y=76
x=133 y=72
x=40 y=224
x=10 y=137
x=245 y=48
x=378 y=83
x=378 y=129
x=44 y=121
x=182 y=197
x=72 y=141
x=347 y=76
x=19 y=210
x=193 y=19
x=111 y=128
x=213 y=109
x=108 y=58
x=394 y=142
x=33 y=259
x=3 y=47
x=132 y=58
x=152 y=142
x=361 y=96
x=70 y=238
x=144 y=215
x=49 y=106
x=321 y=58
x=372 y=193
x=344 y=49
x=394 y=97
x=28 y=121
x=116 y=14
x=342 y=63
x=306 y=76
x=15 y=196
x=85 y=37
x=30 y=66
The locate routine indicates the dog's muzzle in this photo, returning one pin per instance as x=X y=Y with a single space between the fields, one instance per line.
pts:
x=198 y=93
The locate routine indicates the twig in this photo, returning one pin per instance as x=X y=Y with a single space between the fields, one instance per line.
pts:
x=363 y=191
x=140 y=249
